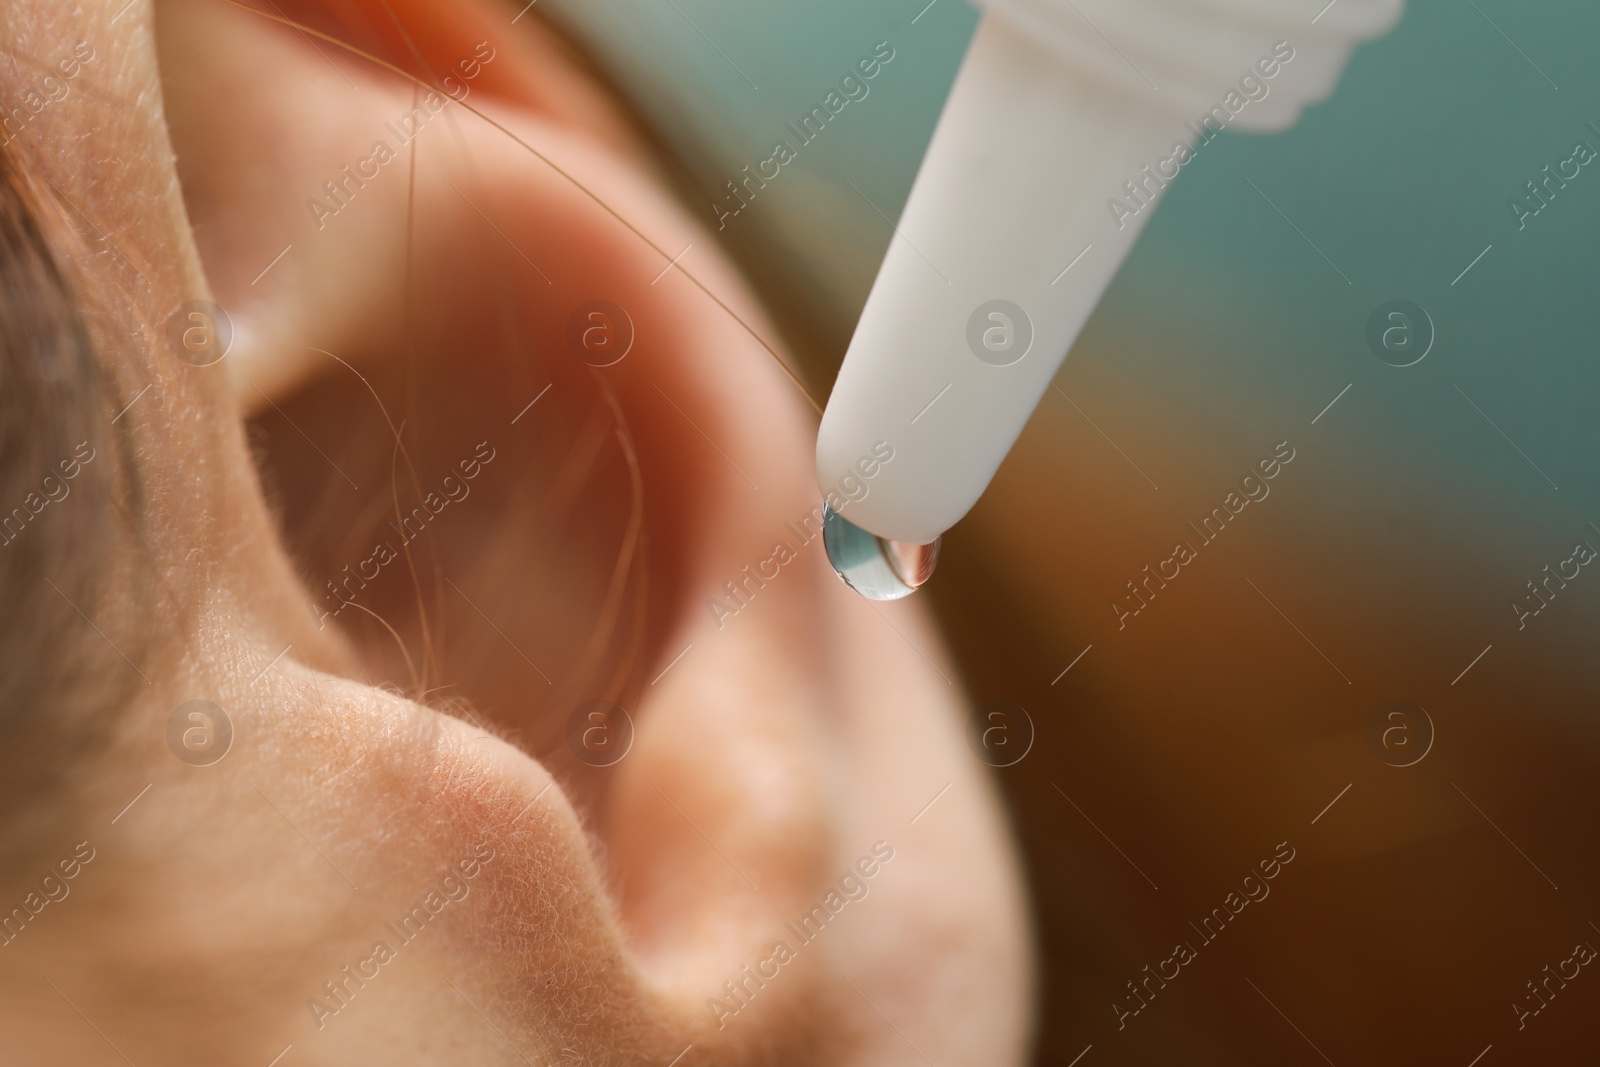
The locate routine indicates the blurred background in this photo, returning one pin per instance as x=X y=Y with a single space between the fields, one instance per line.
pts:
x=1371 y=669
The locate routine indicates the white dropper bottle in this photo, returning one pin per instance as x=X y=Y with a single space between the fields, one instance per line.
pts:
x=1066 y=122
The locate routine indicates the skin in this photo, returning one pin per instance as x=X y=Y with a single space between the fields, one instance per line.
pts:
x=614 y=901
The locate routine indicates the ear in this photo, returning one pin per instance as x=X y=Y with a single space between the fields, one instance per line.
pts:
x=448 y=278
x=617 y=544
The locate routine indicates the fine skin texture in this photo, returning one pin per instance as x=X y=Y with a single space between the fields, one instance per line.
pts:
x=605 y=906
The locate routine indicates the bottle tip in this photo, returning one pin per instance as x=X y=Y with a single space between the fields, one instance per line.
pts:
x=876 y=568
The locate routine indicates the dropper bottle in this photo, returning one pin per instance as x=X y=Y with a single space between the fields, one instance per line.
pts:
x=1067 y=122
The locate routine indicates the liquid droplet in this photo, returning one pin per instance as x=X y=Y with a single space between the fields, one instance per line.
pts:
x=876 y=568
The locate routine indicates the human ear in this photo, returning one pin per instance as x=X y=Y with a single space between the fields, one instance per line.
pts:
x=666 y=467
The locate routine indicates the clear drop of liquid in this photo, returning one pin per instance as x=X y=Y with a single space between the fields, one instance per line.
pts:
x=876 y=568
